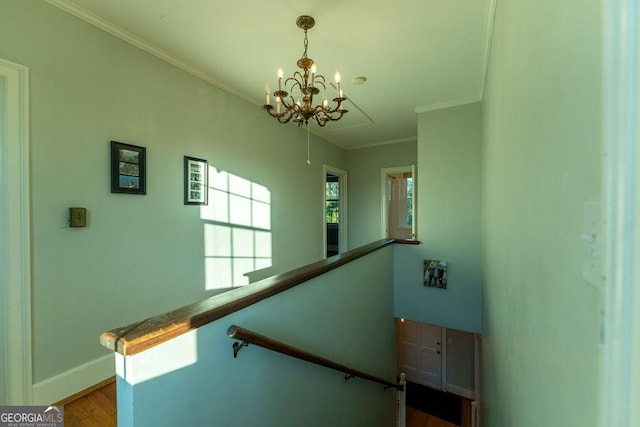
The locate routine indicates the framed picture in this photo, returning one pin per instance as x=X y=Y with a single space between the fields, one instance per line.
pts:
x=196 y=177
x=128 y=168
x=435 y=273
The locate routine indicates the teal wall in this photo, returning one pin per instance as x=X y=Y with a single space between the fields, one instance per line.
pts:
x=365 y=198
x=448 y=213
x=194 y=379
x=542 y=161
x=140 y=255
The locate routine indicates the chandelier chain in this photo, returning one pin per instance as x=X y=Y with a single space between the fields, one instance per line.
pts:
x=306 y=44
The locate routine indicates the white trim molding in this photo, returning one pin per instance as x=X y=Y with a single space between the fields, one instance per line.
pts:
x=448 y=104
x=15 y=243
x=74 y=380
x=620 y=374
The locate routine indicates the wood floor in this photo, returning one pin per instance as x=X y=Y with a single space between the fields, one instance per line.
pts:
x=416 y=418
x=95 y=409
x=98 y=409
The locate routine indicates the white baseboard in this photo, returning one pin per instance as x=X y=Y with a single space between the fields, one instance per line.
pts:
x=460 y=391
x=75 y=380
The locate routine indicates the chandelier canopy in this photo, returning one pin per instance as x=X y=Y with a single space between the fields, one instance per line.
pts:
x=308 y=84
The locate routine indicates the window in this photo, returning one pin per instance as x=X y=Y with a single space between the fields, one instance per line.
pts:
x=332 y=199
x=409 y=204
x=398 y=207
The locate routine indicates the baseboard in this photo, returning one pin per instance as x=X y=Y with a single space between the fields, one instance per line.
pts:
x=469 y=394
x=58 y=388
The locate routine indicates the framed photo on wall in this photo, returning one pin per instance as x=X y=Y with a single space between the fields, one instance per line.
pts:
x=435 y=273
x=196 y=177
x=128 y=168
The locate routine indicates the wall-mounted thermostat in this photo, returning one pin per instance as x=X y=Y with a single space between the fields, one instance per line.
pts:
x=78 y=217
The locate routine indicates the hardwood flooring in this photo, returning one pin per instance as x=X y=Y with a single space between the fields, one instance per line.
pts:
x=94 y=409
x=417 y=418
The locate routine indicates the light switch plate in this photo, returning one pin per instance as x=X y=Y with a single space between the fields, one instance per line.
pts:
x=78 y=217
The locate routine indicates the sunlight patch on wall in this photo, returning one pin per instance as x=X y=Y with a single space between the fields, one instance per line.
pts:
x=237 y=236
x=155 y=362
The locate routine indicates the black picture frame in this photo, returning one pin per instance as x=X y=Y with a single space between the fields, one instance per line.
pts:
x=128 y=168
x=196 y=181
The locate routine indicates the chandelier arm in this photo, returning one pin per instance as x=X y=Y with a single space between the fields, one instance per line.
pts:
x=329 y=115
x=319 y=82
x=285 y=119
x=279 y=116
x=283 y=101
x=297 y=81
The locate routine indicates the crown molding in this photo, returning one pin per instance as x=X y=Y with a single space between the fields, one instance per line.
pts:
x=379 y=143
x=448 y=104
x=130 y=38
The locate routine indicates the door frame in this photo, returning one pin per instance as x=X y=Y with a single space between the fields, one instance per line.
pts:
x=342 y=203
x=383 y=196
x=15 y=239
x=621 y=308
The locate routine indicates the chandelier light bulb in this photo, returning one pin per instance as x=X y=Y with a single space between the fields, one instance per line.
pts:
x=280 y=74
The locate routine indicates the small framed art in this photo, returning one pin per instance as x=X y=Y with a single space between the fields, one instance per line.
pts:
x=128 y=168
x=195 y=181
x=435 y=273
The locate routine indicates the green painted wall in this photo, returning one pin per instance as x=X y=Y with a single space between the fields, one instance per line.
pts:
x=140 y=255
x=542 y=161
x=449 y=200
x=364 y=199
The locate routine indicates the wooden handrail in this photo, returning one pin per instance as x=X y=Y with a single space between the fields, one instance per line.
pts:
x=250 y=337
x=140 y=336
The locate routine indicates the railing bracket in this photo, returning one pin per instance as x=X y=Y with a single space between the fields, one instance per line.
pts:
x=237 y=346
x=347 y=377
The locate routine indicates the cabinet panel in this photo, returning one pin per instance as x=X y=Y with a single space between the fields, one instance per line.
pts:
x=443 y=359
x=419 y=353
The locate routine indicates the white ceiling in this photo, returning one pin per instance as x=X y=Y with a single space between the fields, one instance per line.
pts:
x=417 y=55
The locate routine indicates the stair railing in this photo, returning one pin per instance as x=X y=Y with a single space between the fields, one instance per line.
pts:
x=245 y=337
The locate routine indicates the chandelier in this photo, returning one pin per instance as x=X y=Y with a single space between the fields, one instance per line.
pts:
x=308 y=83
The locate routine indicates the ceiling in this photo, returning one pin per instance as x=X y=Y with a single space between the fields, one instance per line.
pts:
x=417 y=55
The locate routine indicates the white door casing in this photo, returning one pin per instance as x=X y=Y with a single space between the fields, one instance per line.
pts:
x=620 y=375
x=15 y=261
